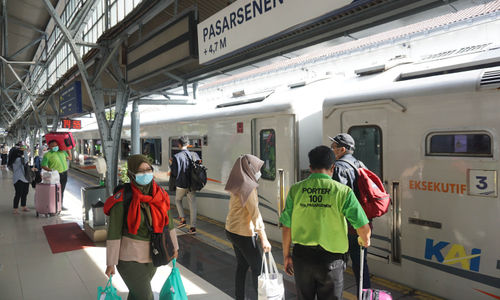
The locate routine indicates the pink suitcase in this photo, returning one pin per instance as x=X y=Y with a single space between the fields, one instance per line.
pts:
x=48 y=199
x=64 y=139
x=369 y=294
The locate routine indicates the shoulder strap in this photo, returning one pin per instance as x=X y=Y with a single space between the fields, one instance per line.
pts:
x=349 y=163
x=127 y=198
x=189 y=156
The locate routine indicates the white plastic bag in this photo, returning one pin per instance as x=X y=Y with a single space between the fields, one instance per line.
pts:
x=50 y=177
x=270 y=282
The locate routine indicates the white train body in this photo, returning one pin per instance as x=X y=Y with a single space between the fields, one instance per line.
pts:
x=430 y=129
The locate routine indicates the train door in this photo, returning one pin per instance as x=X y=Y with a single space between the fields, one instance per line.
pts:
x=369 y=128
x=274 y=143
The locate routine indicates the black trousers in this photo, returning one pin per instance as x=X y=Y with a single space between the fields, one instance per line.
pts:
x=354 y=254
x=247 y=255
x=63 y=178
x=318 y=275
x=22 y=189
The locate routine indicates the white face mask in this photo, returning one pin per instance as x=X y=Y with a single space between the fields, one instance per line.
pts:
x=257 y=175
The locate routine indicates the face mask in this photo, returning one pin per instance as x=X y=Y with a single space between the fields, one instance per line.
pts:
x=257 y=175
x=143 y=179
x=54 y=149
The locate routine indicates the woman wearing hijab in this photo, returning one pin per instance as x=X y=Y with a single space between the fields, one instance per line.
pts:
x=244 y=220
x=21 y=184
x=128 y=241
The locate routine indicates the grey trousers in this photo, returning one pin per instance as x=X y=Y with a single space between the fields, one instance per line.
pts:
x=191 y=196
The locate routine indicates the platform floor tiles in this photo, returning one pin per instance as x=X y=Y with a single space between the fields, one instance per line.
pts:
x=29 y=270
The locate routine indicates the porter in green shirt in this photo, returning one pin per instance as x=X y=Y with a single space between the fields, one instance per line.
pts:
x=56 y=160
x=323 y=204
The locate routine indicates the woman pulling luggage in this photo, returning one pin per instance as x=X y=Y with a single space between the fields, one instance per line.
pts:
x=244 y=220
x=128 y=242
x=19 y=178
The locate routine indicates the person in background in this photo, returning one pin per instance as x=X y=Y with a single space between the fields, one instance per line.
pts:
x=128 y=240
x=4 y=152
x=343 y=147
x=244 y=220
x=314 y=219
x=180 y=169
x=56 y=160
x=21 y=184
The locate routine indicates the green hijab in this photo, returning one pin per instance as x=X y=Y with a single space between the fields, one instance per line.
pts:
x=133 y=163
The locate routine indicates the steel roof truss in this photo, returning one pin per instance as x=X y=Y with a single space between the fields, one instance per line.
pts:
x=27 y=46
x=10 y=99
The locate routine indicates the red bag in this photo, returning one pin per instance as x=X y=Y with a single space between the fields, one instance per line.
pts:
x=64 y=139
x=372 y=195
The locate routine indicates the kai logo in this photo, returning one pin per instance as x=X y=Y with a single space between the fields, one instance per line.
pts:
x=454 y=255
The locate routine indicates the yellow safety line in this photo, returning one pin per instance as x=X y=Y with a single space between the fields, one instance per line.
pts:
x=349 y=296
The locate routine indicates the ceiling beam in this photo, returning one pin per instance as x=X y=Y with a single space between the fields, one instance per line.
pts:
x=26 y=25
x=27 y=46
x=31 y=97
x=10 y=99
x=74 y=48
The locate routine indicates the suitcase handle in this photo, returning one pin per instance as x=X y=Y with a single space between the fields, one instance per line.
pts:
x=361 y=266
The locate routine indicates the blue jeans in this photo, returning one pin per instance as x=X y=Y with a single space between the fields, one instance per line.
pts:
x=354 y=253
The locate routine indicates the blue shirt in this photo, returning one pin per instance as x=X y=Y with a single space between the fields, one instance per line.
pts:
x=18 y=170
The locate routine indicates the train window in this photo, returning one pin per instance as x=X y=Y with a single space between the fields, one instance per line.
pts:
x=268 y=153
x=368 y=141
x=152 y=149
x=459 y=144
x=126 y=148
x=195 y=145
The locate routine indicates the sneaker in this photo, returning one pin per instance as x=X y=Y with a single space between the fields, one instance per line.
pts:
x=192 y=230
x=182 y=223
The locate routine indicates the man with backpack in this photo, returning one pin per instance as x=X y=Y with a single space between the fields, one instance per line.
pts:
x=344 y=172
x=181 y=170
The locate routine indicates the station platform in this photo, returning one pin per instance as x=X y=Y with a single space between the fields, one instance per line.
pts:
x=29 y=269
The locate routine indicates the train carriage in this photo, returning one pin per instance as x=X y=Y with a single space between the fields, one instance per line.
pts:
x=433 y=139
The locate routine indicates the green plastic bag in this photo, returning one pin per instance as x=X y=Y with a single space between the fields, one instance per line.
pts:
x=173 y=289
x=108 y=292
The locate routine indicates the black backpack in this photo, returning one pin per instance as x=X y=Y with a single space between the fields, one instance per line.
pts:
x=198 y=175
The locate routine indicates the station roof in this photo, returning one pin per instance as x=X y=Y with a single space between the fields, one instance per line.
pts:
x=33 y=45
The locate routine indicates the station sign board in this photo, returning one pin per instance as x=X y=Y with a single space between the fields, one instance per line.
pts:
x=70 y=100
x=71 y=124
x=246 y=23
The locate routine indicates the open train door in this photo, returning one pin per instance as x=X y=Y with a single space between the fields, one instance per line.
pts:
x=368 y=124
x=274 y=143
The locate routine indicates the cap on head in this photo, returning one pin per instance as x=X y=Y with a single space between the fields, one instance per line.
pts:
x=344 y=140
x=184 y=140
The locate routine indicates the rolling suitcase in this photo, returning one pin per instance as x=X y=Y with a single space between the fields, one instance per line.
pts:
x=369 y=294
x=48 y=199
x=64 y=139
